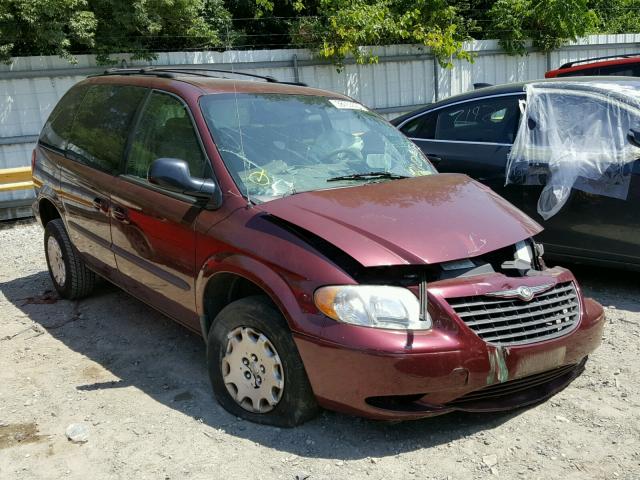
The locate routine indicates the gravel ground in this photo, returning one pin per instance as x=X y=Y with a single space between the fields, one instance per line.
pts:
x=137 y=382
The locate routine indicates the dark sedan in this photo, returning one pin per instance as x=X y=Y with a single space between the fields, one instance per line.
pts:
x=473 y=133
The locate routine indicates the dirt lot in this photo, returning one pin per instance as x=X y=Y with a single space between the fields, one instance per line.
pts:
x=138 y=382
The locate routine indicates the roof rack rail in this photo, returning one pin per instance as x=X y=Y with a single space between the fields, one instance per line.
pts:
x=571 y=64
x=132 y=71
x=172 y=72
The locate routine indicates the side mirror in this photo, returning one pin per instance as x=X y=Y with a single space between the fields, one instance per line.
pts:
x=173 y=175
x=634 y=137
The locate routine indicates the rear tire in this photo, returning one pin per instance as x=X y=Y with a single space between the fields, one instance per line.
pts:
x=69 y=274
x=254 y=365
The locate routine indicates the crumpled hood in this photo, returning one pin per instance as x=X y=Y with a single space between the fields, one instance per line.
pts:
x=419 y=220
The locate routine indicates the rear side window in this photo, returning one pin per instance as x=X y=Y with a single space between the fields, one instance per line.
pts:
x=56 y=131
x=580 y=73
x=488 y=120
x=101 y=125
x=165 y=130
x=626 y=70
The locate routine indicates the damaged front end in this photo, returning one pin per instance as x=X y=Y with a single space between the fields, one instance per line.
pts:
x=505 y=332
x=450 y=307
x=499 y=340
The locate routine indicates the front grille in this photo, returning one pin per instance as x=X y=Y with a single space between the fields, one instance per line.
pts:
x=513 y=321
x=508 y=389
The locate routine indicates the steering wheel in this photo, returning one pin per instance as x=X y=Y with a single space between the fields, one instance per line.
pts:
x=348 y=151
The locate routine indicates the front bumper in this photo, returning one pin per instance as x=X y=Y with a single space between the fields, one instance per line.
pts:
x=402 y=375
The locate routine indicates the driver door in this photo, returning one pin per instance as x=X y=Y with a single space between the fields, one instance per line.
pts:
x=153 y=228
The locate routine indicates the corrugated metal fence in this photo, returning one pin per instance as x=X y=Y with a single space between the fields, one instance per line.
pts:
x=404 y=78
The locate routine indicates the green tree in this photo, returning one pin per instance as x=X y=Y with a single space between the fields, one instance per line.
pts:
x=547 y=23
x=617 y=16
x=260 y=23
x=337 y=28
x=142 y=27
x=334 y=29
x=105 y=27
x=45 y=27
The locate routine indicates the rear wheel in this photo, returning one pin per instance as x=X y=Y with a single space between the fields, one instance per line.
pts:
x=254 y=365
x=70 y=276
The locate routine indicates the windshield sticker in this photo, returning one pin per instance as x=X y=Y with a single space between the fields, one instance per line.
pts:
x=346 y=105
x=260 y=177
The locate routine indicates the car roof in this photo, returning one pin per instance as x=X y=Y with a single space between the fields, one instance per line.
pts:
x=508 y=88
x=593 y=63
x=204 y=85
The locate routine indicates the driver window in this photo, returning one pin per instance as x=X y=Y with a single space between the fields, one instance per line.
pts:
x=164 y=130
x=490 y=120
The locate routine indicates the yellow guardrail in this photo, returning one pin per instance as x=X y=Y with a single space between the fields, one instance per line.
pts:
x=15 y=179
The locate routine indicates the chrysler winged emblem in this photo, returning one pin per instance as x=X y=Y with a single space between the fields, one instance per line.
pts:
x=523 y=292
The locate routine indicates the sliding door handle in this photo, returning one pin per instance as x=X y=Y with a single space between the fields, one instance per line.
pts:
x=120 y=214
x=100 y=204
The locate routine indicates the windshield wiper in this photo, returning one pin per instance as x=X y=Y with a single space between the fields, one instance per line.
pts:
x=366 y=176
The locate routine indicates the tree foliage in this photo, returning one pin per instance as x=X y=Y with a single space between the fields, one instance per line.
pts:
x=617 y=16
x=339 y=27
x=548 y=23
x=45 y=27
x=103 y=27
x=334 y=29
x=144 y=26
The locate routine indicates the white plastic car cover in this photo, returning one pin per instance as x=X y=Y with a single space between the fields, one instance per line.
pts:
x=575 y=134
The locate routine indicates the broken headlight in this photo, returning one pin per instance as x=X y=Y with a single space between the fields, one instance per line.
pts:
x=372 y=306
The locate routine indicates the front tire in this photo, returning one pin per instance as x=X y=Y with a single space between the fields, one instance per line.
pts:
x=254 y=365
x=70 y=276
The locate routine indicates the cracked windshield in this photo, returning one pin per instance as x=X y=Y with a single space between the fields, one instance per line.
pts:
x=276 y=145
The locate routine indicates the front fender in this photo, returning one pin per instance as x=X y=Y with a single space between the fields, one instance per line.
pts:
x=292 y=301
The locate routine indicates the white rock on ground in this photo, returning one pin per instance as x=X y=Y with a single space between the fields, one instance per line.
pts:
x=77 y=433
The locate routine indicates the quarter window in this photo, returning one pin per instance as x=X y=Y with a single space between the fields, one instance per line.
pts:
x=101 y=126
x=56 y=131
x=165 y=130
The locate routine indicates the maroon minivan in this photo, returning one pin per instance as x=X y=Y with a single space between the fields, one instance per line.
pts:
x=313 y=246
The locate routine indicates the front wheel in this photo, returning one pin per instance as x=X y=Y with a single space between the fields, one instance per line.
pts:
x=254 y=365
